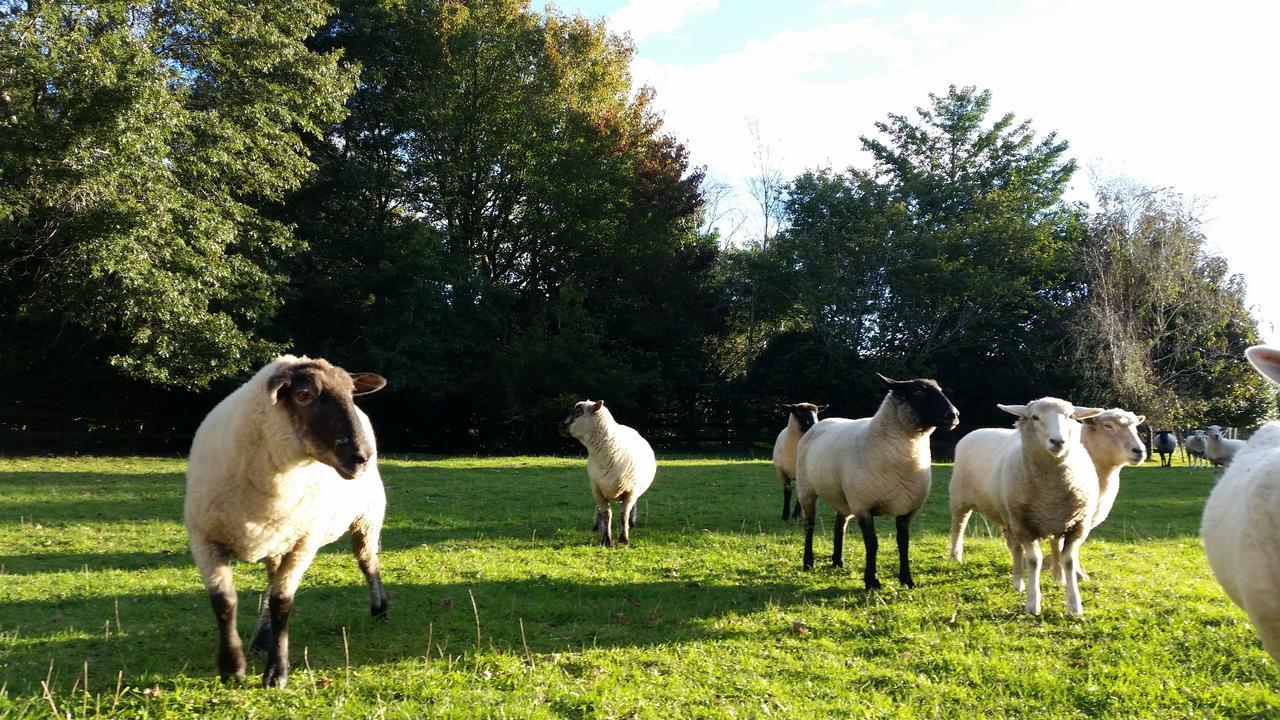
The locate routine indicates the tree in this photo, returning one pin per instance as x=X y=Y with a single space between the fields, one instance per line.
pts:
x=1164 y=325
x=139 y=144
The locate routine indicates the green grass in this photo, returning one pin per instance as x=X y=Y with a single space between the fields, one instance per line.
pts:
x=708 y=614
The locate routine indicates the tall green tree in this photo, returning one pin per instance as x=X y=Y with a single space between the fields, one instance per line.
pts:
x=138 y=145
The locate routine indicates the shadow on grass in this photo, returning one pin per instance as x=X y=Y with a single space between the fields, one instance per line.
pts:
x=174 y=634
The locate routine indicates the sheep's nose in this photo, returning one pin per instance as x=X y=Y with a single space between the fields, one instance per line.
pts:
x=1057 y=442
x=1138 y=451
x=359 y=457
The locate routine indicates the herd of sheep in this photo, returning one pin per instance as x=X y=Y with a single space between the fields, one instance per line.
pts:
x=287 y=464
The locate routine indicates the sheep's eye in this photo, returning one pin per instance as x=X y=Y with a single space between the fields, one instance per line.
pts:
x=1036 y=418
x=1108 y=426
x=303 y=396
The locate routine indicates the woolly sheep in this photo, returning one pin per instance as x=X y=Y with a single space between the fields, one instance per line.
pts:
x=620 y=465
x=1038 y=481
x=1165 y=444
x=873 y=466
x=1241 y=528
x=800 y=417
x=1194 y=446
x=281 y=467
x=1220 y=450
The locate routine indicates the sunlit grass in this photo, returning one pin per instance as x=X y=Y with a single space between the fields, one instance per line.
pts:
x=707 y=614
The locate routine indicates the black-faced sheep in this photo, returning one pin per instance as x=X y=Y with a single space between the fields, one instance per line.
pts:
x=1165 y=444
x=281 y=467
x=1241 y=528
x=800 y=417
x=620 y=465
x=873 y=466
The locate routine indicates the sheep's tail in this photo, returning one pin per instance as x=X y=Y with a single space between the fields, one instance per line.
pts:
x=958 y=523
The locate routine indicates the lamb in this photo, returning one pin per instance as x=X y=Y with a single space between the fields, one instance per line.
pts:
x=1165 y=444
x=1220 y=450
x=1038 y=481
x=800 y=417
x=1194 y=446
x=620 y=465
x=1241 y=527
x=873 y=466
x=281 y=467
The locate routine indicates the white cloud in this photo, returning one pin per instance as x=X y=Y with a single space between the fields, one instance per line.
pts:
x=1177 y=93
x=830 y=5
x=644 y=18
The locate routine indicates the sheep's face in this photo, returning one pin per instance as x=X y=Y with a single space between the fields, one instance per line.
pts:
x=806 y=414
x=1050 y=424
x=1113 y=435
x=318 y=398
x=581 y=420
x=923 y=400
x=1213 y=432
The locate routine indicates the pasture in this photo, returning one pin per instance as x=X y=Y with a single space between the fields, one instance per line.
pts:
x=502 y=605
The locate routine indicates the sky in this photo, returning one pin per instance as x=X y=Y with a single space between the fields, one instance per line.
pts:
x=1169 y=93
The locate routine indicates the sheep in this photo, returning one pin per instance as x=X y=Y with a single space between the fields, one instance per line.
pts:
x=800 y=417
x=1038 y=481
x=1194 y=446
x=1220 y=450
x=281 y=467
x=873 y=466
x=1165 y=444
x=1241 y=526
x=620 y=465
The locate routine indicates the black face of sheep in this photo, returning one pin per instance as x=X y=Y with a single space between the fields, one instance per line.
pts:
x=319 y=399
x=805 y=413
x=926 y=399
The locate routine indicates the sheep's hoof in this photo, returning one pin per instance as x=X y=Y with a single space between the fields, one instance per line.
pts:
x=872 y=582
x=231 y=666
x=907 y=580
x=379 y=611
x=262 y=640
x=1081 y=575
x=276 y=676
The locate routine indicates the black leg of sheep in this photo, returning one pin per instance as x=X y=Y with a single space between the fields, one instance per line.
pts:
x=872 y=544
x=837 y=549
x=786 y=502
x=904 y=563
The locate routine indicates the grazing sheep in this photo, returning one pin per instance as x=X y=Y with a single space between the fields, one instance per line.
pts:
x=1165 y=444
x=1241 y=528
x=281 y=467
x=1194 y=446
x=1220 y=450
x=800 y=417
x=873 y=466
x=1039 y=481
x=620 y=465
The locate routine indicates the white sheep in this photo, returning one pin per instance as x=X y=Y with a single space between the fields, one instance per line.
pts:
x=1241 y=528
x=1194 y=446
x=873 y=466
x=281 y=467
x=1037 y=481
x=800 y=417
x=1218 y=449
x=620 y=465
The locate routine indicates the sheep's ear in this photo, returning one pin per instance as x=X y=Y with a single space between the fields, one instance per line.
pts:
x=366 y=383
x=1080 y=413
x=1142 y=419
x=785 y=407
x=1266 y=360
x=888 y=383
x=822 y=408
x=596 y=407
x=274 y=383
x=1019 y=410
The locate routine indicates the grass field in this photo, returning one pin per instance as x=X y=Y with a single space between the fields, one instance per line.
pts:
x=708 y=613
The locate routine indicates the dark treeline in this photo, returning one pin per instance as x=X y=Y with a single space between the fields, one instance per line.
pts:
x=469 y=198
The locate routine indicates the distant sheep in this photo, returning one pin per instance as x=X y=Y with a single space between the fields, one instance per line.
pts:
x=1194 y=445
x=1038 y=481
x=800 y=417
x=1165 y=444
x=873 y=466
x=280 y=468
x=1241 y=528
x=1219 y=449
x=620 y=465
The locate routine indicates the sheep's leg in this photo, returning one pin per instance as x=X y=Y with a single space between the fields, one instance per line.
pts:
x=959 y=520
x=628 y=503
x=605 y=514
x=904 y=540
x=837 y=547
x=869 y=541
x=1033 y=558
x=809 y=504
x=365 y=535
x=1070 y=560
x=215 y=570
x=600 y=502
x=284 y=584
x=1015 y=552
x=786 y=497
x=262 y=636
x=1055 y=559
x=631 y=520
